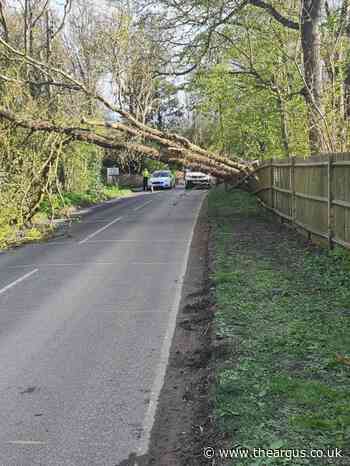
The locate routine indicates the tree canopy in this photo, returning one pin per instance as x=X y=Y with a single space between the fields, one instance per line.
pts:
x=209 y=85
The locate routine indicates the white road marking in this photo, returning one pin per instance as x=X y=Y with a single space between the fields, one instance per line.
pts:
x=161 y=241
x=134 y=311
x=142 y=206
x=76 y=264
x=155 y=263
x=19 y=280
x=125 y=309
x=165 y=351
x=79 y=264
x=100 y=230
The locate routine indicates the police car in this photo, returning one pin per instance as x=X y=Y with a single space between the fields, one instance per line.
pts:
x=161 y=179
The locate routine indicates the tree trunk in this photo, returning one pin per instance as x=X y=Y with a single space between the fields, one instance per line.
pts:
x=345 y=24
x=25 y=33
x=3 y=22
x=311 y=46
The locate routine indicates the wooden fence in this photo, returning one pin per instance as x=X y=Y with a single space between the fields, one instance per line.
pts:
x=313 y=194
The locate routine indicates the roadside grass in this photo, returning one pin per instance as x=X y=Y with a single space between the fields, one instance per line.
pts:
x=61 y=205
x=13 y=233
x=284 y=309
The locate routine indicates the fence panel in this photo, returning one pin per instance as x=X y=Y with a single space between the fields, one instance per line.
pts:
x=312 y=193
x=263 y=187
x=282 y=187
x=341 y=197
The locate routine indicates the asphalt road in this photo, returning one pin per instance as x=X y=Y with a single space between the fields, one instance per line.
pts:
x=86 y=323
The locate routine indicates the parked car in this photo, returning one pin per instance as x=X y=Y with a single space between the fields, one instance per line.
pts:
x=161 y=179
x=197 y=179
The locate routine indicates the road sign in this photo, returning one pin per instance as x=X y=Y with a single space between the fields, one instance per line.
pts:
x=112 y=171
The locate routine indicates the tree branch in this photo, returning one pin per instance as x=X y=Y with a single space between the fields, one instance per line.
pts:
x=4 y=21
x=286 y=22
x=78 y=134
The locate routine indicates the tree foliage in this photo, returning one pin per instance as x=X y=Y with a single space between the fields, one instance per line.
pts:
x=293 y=54
x=245 y=79
x=58 y=69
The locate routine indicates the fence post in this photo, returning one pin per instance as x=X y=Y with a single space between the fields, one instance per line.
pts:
x=330 y=201
x=271 y=183
x=292 y=187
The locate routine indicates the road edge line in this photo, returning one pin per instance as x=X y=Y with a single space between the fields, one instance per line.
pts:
x=165 y=351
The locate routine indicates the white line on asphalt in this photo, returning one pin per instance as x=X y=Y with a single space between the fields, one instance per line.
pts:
x=79 y=264
x=155 y=263
x=125 y=309
x=156 y=241
x=142 y=205
x=76 y=264
x=165 y=351
x=100 y=230
x=19 y=280
x=129 y=311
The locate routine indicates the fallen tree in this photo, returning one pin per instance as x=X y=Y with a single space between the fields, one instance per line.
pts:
x=126 y=134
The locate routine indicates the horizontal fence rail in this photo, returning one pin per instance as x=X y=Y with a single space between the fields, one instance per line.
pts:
x=313 y=194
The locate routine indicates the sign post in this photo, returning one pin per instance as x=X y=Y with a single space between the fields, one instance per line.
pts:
x=112 y=175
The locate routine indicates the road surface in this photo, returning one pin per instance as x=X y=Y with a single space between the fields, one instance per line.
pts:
x=86 y=323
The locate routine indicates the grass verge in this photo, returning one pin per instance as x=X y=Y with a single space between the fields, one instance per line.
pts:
x=284 y=311
x=60 y=205
x=15 y=233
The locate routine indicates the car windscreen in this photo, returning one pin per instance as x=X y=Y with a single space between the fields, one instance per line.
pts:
x=161 y=175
